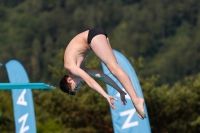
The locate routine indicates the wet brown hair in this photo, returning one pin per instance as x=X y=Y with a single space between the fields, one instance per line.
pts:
x=65 y=86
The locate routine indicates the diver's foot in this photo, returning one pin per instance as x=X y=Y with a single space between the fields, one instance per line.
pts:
x=139 y=106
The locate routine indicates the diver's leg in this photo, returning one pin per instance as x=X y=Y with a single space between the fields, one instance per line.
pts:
x=101 y=47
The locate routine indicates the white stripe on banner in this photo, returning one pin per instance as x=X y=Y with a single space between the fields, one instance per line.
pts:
x=125 y=119
x=22 y=99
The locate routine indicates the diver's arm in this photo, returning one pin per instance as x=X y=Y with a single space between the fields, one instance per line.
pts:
x=92 y=83
x=103 y=77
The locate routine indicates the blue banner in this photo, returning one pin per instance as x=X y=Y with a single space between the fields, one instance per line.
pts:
x=125 y=118
x=22 y=99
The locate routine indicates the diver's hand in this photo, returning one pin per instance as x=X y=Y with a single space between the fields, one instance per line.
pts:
x=110 y=101
x=122 y=96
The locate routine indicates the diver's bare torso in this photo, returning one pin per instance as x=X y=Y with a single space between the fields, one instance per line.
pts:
x=77 y=50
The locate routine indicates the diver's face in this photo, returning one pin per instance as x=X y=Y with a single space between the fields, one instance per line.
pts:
x=78 y=86
x=76 y=83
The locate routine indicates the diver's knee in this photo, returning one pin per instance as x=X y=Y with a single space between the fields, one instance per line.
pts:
x=114 y=68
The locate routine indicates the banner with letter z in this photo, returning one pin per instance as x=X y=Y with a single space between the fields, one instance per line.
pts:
x=125 y=118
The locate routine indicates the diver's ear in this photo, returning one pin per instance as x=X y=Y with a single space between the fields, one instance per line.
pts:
x=69 y=79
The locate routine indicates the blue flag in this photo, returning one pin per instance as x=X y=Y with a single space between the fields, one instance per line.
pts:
x=22 y=99
x=125 y=118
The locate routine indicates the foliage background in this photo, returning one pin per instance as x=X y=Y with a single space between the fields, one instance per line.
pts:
x=160 y=38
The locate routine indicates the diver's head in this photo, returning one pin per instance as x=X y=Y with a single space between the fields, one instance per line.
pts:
x=70 y=84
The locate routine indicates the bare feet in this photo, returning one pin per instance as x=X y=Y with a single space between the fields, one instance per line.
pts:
x=139 y=106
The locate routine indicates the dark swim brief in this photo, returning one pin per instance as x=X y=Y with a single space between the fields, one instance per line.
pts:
x=94 y=32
